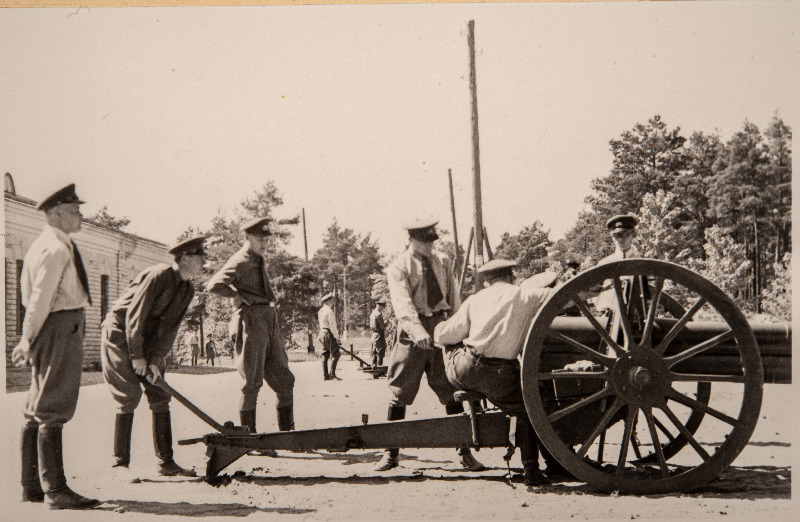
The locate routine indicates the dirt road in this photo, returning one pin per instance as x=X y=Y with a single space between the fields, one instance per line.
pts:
x=336 y=486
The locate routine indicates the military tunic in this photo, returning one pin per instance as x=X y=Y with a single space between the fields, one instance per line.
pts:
x=259 y=351
x=143 y=323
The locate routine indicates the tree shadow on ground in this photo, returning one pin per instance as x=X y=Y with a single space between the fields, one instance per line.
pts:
x=195 y=510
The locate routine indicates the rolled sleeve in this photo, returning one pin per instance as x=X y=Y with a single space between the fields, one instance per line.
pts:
x=455 y=329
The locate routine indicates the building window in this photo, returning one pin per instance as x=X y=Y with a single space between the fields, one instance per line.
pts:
x=103 y=297
x=20 y=308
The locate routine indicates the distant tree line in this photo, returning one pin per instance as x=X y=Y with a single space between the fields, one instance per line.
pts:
x=720 y=208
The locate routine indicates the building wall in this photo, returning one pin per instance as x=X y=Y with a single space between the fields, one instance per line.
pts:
x=105 y=252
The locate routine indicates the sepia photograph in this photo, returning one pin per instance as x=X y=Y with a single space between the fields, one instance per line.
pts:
x=448 y=261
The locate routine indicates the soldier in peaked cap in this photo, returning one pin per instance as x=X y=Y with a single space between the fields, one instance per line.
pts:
x=423 y=292
x=137 y=334
x=482 y=347
x=259 y=352
x=377 y=327
x=328 y=330
x=622 y=229
x=55 y=293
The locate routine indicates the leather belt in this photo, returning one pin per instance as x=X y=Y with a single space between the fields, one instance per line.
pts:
x=490 y=360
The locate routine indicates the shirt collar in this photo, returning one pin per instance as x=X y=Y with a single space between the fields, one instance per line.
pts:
x=59 y=234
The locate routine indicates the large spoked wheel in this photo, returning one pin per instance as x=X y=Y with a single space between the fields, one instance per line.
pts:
x=643 y=382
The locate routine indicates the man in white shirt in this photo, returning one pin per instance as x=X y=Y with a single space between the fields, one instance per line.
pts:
x=55 y=293
x=483 y=341
x=327 y=337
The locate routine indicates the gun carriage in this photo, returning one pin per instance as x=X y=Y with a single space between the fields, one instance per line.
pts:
x=655 y=397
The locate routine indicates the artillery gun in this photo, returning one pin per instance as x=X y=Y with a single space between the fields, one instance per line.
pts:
x=654 y=398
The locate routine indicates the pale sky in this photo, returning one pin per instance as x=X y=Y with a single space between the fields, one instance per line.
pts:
x=166 y=115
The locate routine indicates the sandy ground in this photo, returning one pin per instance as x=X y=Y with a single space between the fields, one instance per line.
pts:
x=334 y=486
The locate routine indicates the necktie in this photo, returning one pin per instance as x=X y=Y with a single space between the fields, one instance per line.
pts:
x=76 y=258
x=265 y=279
x=431 y=283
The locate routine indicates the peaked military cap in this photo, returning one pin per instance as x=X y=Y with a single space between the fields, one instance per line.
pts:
x=60 y=197
x=622 y=222
x=422 y=229
x=325 y=297
x=191 y=246
x=495 y=265
x=258 y=226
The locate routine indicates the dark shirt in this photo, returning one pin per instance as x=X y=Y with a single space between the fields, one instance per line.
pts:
x=151 y=310
x=243 y=278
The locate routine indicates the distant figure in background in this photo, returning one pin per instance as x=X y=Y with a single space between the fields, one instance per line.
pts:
x=55 y=293
x=259 y=351
x=378 y=328
x=191 y=341
x=422 y=289
x=137 y=334
x=211 y=350
x=327 y=337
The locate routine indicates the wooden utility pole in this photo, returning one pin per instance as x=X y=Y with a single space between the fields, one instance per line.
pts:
x=476 y=159
x=305 y=237
x=453 y=212
x=309 y=334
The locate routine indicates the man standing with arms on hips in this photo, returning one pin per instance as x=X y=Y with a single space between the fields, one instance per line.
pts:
x=259 y=352
x=327 y=337
x=623 y=231
x=482 y=342
x=55 y=293
x=378 y=328
x=137 y=335
x=422 y=289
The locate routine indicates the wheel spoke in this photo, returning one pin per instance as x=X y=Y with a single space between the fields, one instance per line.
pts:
x=677 y=327
x=623 y=314
x=601 y=426
x=651 y=424
x=585 y=350
x=694 y=350
x=705 y=377
x=630 y=421
x=676 y=396
x=605 y=392
x=598 y=328
x=664 y=430
x=651 y=312
x=689 y=437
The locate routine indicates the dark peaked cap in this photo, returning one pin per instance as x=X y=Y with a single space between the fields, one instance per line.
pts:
x=60 y=197
x=622 y=222
x=258 y=226
x=192 y=245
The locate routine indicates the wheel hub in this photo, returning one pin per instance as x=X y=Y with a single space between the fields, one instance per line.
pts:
x=640 y=377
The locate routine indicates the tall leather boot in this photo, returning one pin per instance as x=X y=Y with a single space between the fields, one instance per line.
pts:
x=31 y=487
x=528 y=444
x=123 y=425
x=51 y=473
x=390 y=456
x=162 y=443
x=248 y=418
x=374 y=360
x=334 y=362
x=286 y=418
x=325 y=375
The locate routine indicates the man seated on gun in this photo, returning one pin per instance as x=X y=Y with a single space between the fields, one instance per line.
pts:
x=137 y=334
x=482 y=343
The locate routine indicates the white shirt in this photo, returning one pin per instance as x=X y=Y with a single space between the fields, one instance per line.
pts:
x=327 y=319
x=49 y=280
x=494 y=321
